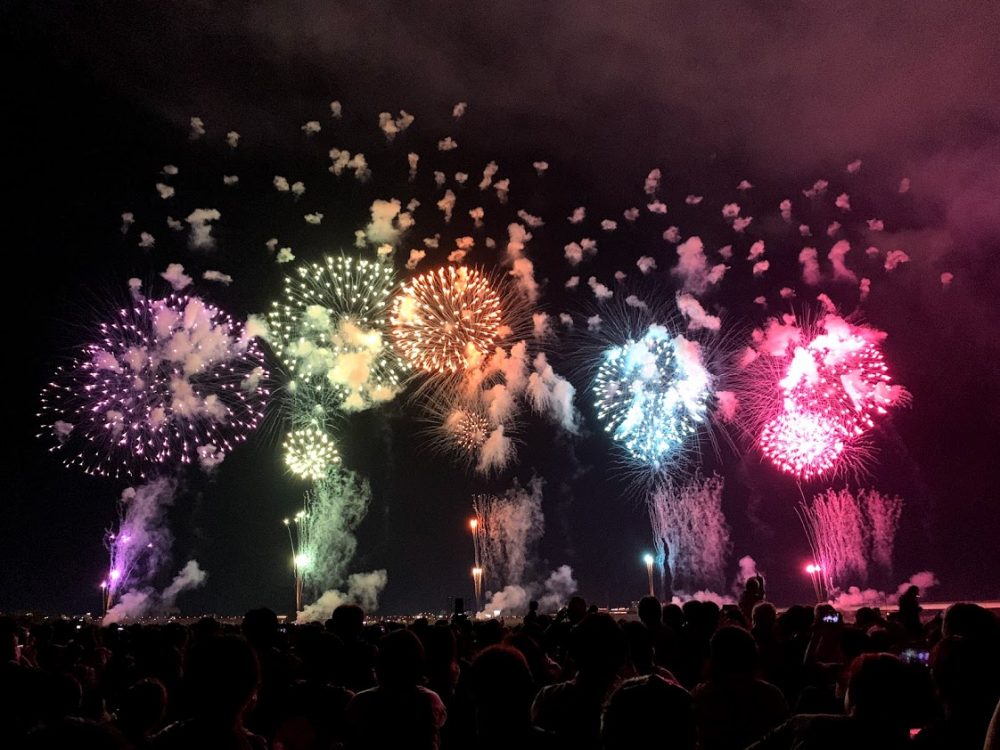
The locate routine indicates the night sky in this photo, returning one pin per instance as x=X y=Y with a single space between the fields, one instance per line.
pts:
x=98 y=99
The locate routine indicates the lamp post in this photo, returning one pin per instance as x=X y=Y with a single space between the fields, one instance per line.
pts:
x=648 y=558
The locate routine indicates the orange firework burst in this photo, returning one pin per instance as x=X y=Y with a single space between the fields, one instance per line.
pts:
x=444 y=320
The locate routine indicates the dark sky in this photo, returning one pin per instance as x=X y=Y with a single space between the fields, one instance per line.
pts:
x=98 y=99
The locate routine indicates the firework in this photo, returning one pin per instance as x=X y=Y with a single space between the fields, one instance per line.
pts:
x=507 y=527
x=446 y=320
x=690 y=531
x=334 y=507
x=847 y=533
x=310 y=453
x=813 y=393
x=329 y=331
x=168 y=380
x=140 y=544
x=838 y=536
x=651 y=397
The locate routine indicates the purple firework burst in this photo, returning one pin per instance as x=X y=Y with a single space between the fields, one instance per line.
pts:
x=169 y=380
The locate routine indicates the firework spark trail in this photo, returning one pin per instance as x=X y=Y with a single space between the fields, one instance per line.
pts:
x=334 y=507
x=170 y=380
x=509 y=527
x=690 y=533
x=811 y=393
x=882 y=513
x=839 y=535
x=140 y=545
x=139 y=550
x=136 y=603
x=330 y=330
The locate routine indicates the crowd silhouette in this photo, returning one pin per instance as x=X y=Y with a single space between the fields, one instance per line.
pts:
x=697 y=676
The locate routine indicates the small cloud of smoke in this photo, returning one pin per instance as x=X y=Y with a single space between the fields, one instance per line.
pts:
x=530 y=220
x=652 y=183
x=314 y=218
x=128 y=219
x=447 y=144
x=541 y=325
x=578 y=215
x=447 y=204
x=222 y=278
x=392 y=126
x=541 y=167
x=808 y=258
x=233 y=139
x=165 y=191
x=146 y=240
x=341 y=159
x=552 y=395
x=895 y=258
x=311 y=128
x=458 y=111
x=489 y=171
x=415 y=257
x=646 y=264
x=387 y=222
x=601 y=292
x=496 y=453
x=837 y=255
x=336 y=110
x=200 y=221
x=363 y=589
x=697 y=316
x=175 y=276
x=197 y=128
x=285 y=255
x=727 y=405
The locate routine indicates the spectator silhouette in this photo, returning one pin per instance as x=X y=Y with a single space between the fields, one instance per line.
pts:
x=909 y=612
x=221 y=682
x=348 y=623
x=733 y=707
x=640 y=652
x=503 y=690
x=753 y=593
x=572 y=710
x=968 y=687
x=878 y=713
x=141 y=710
x=644 y=708
x=661 y=637
x=399 y=711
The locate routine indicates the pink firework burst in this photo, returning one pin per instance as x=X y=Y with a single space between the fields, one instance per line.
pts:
x=165 y=380
x=832 y=383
